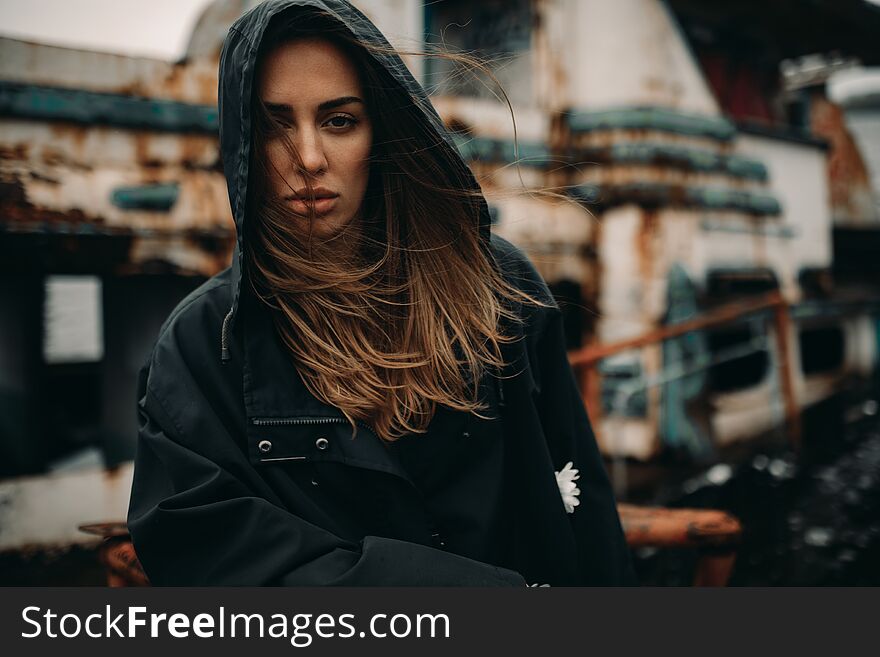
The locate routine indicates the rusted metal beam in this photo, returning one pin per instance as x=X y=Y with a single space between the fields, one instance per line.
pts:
x=782 y=322
x=714 y=533
x=714 y=569
x=117 y=554
x=123 y=566
x=587 y=357
x=647 y=526
x=591 y=390
x=725 y=314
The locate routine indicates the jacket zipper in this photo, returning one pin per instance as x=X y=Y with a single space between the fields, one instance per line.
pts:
x=290 y=421
x=286 y=421
x=279 y=421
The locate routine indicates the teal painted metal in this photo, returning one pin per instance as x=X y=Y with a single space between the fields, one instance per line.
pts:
x=816 y=308
x=684 y=414
x=652 y=118
x=484 y=149
x=743 y=167
x=771 y=230
x=720 y=198
x=682 y=157
x=91 y=108
x=156 y=198
x=654 y=194
x=619 y=397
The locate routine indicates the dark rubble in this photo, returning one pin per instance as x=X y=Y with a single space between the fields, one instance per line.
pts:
x=811 y=519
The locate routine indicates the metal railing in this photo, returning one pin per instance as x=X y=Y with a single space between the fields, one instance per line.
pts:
x=585 y=362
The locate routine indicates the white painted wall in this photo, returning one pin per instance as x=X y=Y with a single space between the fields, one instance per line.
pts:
x=45 y=511
x=493 y=119
x=799 y=179
x=402 y=23
x=623 y=53
x=628 y=306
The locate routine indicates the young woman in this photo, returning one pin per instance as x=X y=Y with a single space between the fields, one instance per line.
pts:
x=376 y=392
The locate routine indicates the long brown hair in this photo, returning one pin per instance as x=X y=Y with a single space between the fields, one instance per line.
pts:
x=414 y=314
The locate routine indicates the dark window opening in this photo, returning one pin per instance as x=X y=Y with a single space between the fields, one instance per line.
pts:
x=496 y=30
x=68 y=378
x=71 y=403
x=822 y=349
x=621 y=393
x=737 y=373
x=728 y=285
x=739 y=366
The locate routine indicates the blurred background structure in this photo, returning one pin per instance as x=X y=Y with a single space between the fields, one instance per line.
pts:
x=717 y=259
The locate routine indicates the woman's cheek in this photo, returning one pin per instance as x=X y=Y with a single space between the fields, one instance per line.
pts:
x=364 y=148
x=277 y=157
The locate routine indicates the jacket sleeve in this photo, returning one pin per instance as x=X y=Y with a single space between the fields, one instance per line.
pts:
x=603 y=554
x=195 y=521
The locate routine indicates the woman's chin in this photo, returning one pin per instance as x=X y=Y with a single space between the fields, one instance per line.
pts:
x=327 y=227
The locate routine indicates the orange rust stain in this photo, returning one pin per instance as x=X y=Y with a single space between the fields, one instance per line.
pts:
x=16 y=152
x=847 y=171
x=645 y=239
x=193 y=149
x=173 y=83
x=141 y=147
x=132 y=89
x=52 y=156
x=207 y=89
x=459 y=126
x=142 y=153
x=15 y=208
x=78 y=134
x=759 y=239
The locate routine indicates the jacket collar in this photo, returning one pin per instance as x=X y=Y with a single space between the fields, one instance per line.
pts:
x=281 y=410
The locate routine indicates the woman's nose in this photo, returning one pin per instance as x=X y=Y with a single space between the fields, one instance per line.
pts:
x=311 y=151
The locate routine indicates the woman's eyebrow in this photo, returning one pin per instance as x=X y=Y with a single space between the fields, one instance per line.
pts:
x=283 y=108
x=279 y=109
x=337 y=102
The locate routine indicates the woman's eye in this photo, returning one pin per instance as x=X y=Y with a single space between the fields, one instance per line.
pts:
x=341 y=121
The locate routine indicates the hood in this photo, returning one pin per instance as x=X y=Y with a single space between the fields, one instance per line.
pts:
x=238 y=60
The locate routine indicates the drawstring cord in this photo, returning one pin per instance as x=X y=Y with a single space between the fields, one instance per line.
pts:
x=224 y=338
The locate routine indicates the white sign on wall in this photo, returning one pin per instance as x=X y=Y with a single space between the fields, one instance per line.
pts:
x=73 y=323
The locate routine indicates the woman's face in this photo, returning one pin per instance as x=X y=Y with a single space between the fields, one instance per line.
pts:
x=312 y=89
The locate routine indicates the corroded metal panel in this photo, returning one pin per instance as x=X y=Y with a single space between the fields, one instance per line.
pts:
x=852 y=196
x=191 y=81
x=160 y=190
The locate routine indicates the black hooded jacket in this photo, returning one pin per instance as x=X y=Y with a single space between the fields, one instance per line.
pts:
x=242 y=477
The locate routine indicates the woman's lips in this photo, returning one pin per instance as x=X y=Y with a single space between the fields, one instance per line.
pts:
x=320 y=205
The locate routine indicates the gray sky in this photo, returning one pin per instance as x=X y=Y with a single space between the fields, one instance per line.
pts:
x=161 y=28
x=151 y=28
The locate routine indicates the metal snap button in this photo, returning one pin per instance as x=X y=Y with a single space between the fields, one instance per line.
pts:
x=322 y=443
x=264 y=446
